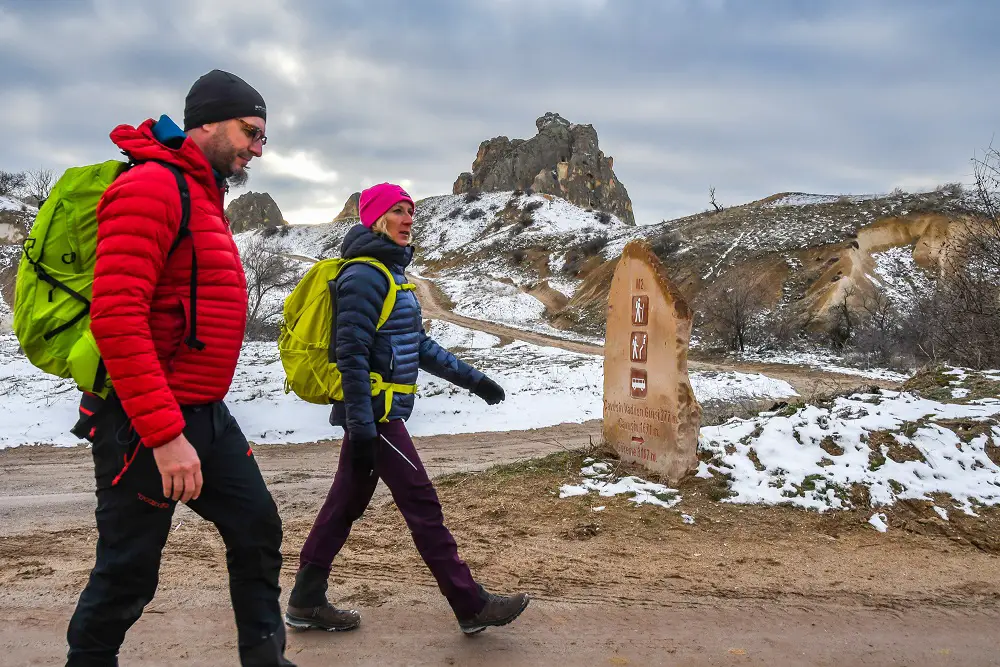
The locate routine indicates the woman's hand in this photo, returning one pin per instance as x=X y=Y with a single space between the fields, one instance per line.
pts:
x=489 y=391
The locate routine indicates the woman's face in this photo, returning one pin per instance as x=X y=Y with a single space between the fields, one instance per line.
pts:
x=399 y=220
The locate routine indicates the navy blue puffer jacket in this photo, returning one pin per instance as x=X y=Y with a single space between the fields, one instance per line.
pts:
x=396 y=351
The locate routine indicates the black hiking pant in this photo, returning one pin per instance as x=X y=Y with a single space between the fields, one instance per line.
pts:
x=134 y=520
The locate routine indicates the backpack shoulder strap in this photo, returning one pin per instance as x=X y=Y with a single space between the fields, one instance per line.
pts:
x=183 y=231
x=390 y=297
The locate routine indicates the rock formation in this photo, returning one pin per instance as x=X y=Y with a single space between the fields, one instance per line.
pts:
x=350 y=210
x=253 y=210
x=563 y=159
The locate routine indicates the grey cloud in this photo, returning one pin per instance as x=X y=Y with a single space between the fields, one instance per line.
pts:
x=753 y=98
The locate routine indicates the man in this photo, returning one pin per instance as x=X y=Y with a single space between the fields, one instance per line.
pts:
x=168 y=314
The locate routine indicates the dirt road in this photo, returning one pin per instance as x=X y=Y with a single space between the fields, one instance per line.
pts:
x=626 y=586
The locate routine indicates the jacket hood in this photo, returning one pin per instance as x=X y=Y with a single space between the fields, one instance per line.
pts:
x=140 y=143
x=361 y=241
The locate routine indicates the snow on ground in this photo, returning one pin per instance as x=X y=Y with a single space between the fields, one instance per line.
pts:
x=544 y=385
x=11 y=204
x=453 y=337
x=449 y=224
x=598 y=476
x=804 y=199
x=825 y=362
x=810 y=457
x=483 y=298
x=900 y=277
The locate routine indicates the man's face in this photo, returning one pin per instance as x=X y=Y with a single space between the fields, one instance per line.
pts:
x=233 y=144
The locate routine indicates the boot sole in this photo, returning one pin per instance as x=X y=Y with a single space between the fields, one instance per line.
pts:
x=476 y=629
x=299 y=623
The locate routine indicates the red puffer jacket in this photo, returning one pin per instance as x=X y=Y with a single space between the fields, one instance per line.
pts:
x=140 y=310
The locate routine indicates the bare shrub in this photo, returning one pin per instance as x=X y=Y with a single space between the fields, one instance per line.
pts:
x=12 y=183
x=960 y=321
x=879 y=329
x=38 y=184
x=475 y=214
x=733 y=311
x=603 y=217
x=455 y=212
x=667 y=243
x=532 y=206
x=473 y=195
x=525 y=220
x=268 y=272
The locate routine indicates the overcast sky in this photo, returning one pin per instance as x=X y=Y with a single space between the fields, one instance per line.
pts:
x=752 y=97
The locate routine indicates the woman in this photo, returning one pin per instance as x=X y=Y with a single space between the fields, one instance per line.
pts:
x=376 y=444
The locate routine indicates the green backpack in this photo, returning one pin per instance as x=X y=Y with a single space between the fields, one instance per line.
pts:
x=308 y=353
x=56 y=274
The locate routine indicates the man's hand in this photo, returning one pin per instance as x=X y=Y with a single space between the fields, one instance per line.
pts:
x=180 y=469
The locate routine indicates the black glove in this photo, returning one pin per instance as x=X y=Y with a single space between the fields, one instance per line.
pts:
x=489 y=391
x=363 y=454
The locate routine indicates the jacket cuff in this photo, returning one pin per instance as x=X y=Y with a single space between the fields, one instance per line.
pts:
x=163 y=436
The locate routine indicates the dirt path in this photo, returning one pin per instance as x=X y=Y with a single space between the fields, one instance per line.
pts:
x=626 y=586
x=420 y=632
x=433 y=305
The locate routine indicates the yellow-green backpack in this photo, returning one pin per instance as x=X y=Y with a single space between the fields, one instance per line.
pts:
x=304 y=343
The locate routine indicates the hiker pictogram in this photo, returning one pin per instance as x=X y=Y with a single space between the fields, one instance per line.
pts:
x=639 y=340
x=640 y=310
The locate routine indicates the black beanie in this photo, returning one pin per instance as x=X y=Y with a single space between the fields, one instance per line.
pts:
x=219 y=96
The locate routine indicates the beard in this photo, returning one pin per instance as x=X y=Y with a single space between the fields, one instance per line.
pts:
x=221 y=155
x=239 y=178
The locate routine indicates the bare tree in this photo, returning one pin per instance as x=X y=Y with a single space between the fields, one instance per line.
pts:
x=733 y=311
x=878 y=333
x=711 y=196
x=843 y=319
x=11 y=183
x=959 y=321
x=38 y=184
x=268 y=272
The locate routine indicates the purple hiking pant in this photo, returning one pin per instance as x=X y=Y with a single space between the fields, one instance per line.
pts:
x=414 y=495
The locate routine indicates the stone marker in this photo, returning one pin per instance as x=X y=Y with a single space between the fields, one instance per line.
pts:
x=650 y=413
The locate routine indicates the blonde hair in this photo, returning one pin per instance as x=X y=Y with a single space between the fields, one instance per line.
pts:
x=381 y=226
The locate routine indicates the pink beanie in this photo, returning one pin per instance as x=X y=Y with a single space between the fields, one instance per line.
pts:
x=378 y=199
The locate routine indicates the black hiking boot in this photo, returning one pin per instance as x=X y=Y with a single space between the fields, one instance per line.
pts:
x=326 y=617
x=499 y=610
x=269 y=653
x=308 y=608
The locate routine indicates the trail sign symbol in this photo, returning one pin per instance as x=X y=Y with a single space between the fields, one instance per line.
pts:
x=640 y=310
x=638 y=383
x=638 y=346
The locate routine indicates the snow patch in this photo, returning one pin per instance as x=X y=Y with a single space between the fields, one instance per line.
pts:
x=812 y=457
x=598 y=477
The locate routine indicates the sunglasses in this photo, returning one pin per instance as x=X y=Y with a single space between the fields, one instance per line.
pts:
x=253 y=132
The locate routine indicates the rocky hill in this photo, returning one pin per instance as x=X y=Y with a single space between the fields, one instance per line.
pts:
x=350 y=210
x=563 y=159
x=539 y=262
x=253 y=210
x=801 y=251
